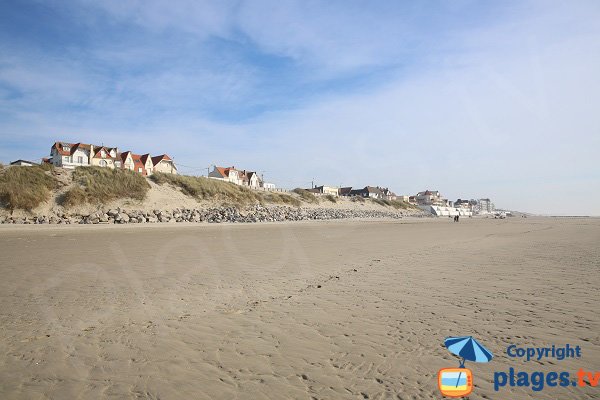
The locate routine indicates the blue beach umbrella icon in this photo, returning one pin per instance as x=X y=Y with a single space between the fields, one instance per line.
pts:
x=469 y=349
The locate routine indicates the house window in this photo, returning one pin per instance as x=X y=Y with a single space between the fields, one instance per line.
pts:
x=80 y=160
x=66 y=148
x=103 y=163
x=140 y=170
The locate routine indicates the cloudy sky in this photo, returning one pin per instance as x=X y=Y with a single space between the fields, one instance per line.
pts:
x=472 y=98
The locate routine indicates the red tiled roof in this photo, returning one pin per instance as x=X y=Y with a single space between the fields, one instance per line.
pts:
x=224 y=171
x=59 y=148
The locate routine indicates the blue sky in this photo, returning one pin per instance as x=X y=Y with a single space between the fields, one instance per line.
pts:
x=475 y=99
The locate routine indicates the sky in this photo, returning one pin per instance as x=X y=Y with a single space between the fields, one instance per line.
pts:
x=495 y=99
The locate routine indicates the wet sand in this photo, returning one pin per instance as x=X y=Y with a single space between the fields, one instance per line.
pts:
x=317 y=310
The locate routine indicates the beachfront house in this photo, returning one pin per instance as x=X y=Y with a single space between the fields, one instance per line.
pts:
x=388 y=194
x=71 y=155
x=465 y=204
x=345 y=191
x=325 y=190
x=236 y=176
x=431 y=198
x=164 y=164
x=105 y=157
x=372 y=192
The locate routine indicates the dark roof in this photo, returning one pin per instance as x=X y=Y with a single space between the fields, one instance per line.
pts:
x=345 y=190
x=157 y=159
x=25 y=161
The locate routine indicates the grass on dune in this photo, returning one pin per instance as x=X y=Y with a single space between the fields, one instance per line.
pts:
x=397 y=204
x=25 y=187
x=203 y=188
x=306 y=196
x=102 y=185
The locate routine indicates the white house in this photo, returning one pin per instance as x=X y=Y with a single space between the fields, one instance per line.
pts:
x=71 y=155
x=236 y=176
x=163 y=163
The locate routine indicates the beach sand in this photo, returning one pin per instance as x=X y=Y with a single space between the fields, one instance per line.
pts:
x=315 y=310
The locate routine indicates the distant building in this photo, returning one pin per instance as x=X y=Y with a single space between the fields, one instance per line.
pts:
x=371 y=192
x=428 y=198
x=388 y=194
x=464 y=204
x=345 y=191
x=325 y=190
x=23 y=163
x=236 y=176
x=484 y=206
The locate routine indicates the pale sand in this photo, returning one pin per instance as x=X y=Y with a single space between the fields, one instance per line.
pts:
x=236 y=311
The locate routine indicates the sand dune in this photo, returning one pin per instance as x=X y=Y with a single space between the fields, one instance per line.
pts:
x=291 y=310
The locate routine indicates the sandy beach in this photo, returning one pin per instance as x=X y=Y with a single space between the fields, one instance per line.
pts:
x=315 y=310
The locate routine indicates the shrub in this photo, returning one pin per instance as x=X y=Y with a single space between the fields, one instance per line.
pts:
x=331 y=198
x=306 y=196
x=102 y=185
x=358 y=199
x=74 y=197
x=25 y=187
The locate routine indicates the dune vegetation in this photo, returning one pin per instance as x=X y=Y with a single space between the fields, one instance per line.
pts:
x=25 y=187
x=102 y=185
x=202 y=188
x=397 y=204
x=306 y=196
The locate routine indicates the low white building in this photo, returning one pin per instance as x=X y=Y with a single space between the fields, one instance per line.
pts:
x=23 y=163
x=441 y=211
x=325 y=190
